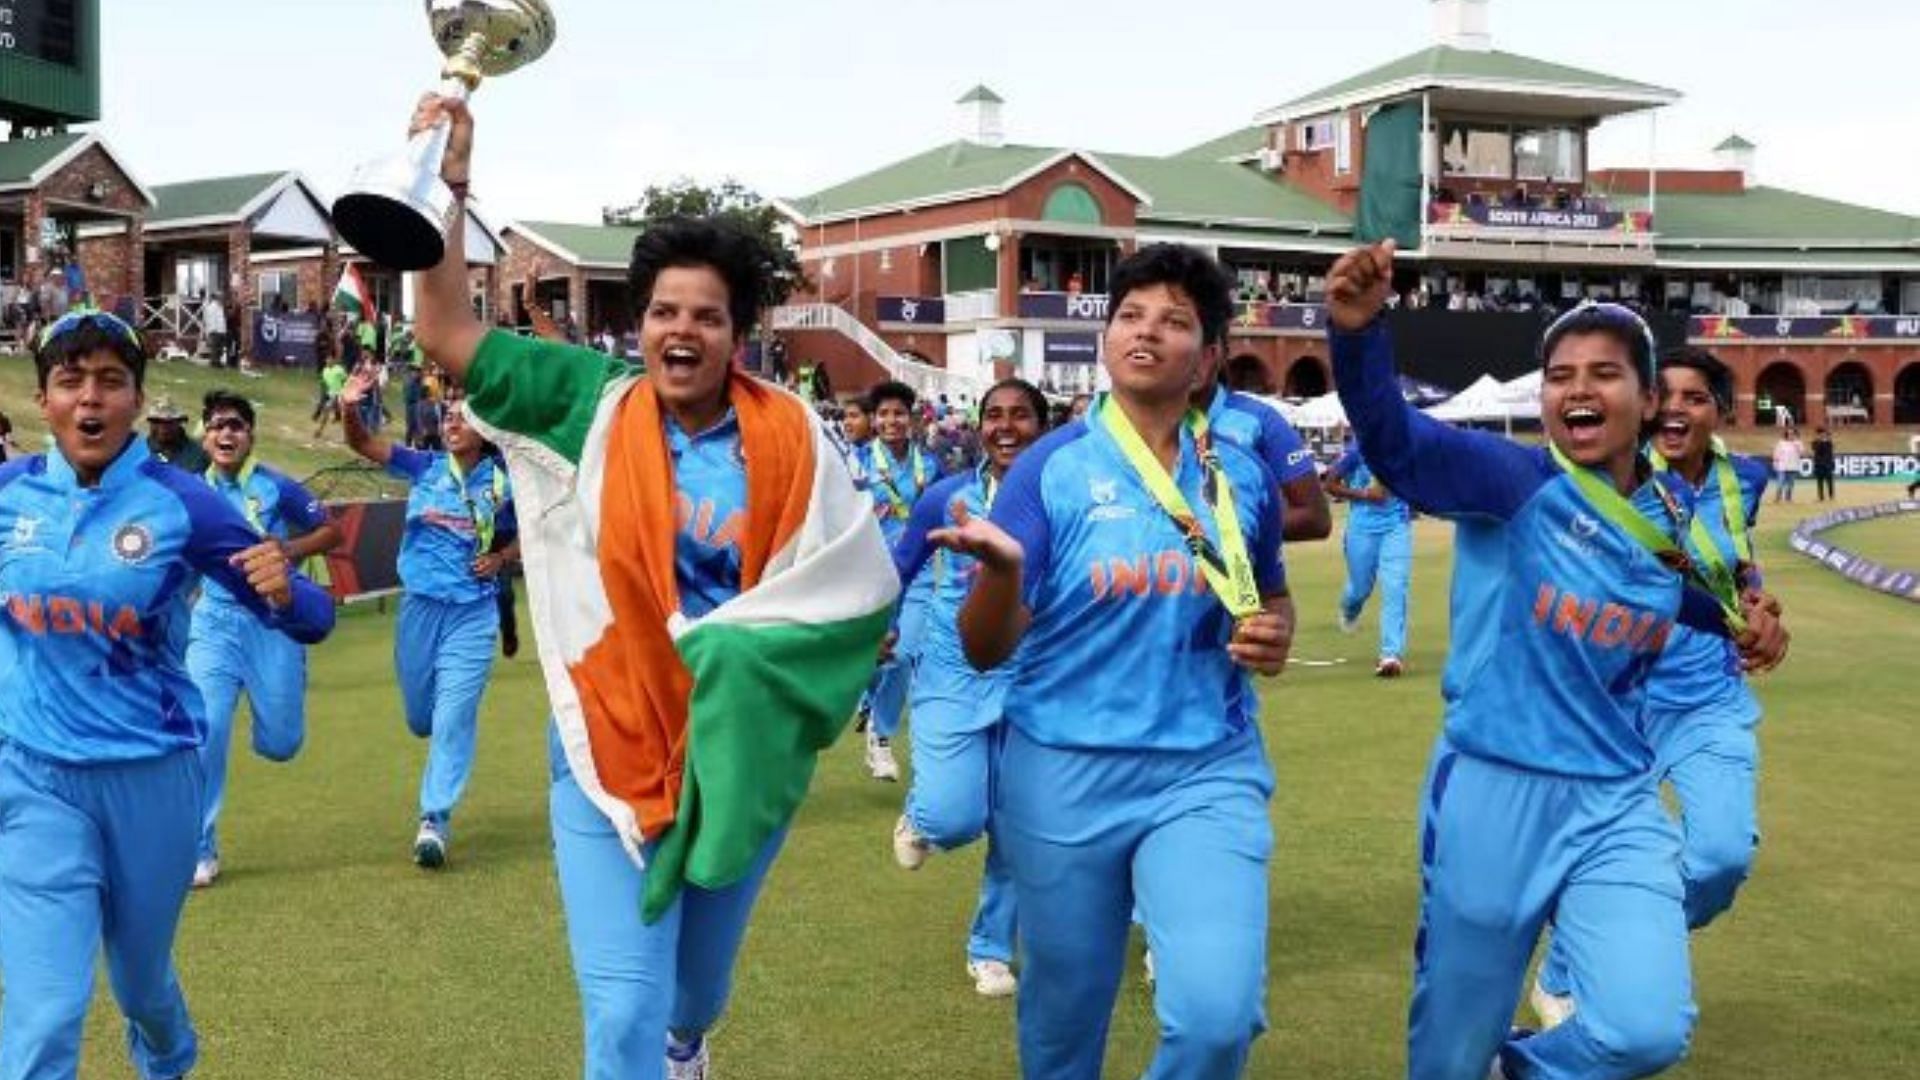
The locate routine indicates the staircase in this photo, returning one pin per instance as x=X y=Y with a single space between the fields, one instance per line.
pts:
x=926 y=380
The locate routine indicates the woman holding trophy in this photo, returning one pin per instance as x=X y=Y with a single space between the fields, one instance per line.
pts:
x=694 y=546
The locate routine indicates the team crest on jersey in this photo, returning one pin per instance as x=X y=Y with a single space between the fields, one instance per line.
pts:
x=255 y=507
x=1105 y=494
x=132 y=543
x=24 y=528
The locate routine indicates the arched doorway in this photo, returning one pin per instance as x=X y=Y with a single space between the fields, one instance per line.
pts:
x=1906 y=394
x=1248 y=374
x=1307 y=378
x=1781 y=385
x=1850 y=393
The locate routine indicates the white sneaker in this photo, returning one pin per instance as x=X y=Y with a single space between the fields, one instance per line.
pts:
x=910 y=849
x=693 y=1068
x=880 y=763
x=1552 y=1009
x=429 y=846
x=205 y=872
x=992 y=978
x=1348 y=624
x=1146 y=966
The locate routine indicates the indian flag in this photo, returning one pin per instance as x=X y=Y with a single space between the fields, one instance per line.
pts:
x=351 y=294
x=696 y=737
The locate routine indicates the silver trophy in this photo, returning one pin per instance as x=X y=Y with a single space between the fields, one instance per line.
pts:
x=396 y=210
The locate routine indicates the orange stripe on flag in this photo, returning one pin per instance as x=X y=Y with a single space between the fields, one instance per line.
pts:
x=634 y=689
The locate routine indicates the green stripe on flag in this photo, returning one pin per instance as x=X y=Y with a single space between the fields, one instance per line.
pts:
x=766 y=701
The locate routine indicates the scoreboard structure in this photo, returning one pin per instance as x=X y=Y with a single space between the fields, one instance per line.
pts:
x=49 y=63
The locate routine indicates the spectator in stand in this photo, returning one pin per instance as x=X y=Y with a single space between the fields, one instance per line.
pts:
x=7 y=447
x=412 y=392
x=1075 y=284
x=1822 y=465
x=1787 y=453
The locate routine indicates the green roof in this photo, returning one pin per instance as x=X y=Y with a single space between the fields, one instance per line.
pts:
x=219 y=197
x=981 y=93
x=1443 y=63
x=21 y=158
x=1220 y=191
x=1762 y=214
x=942 y=171
x=1175 y=186
x=1735 y=142
x=1246 y=141
x=591 y=244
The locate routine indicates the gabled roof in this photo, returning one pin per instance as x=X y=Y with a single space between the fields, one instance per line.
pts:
x=981 y=93
x=1191 y=190
x=1762 y=217
x=27 y=163
x=221 y=200
x=1197 y=191
x=1233 y=146
x=1735 y=142
x=1443 y=66
x=598 y=247
x=955 y=172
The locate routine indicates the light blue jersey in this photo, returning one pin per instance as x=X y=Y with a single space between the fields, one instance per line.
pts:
x=1260 y=430
x=1702 y=671
x=1558 y=615
x=1109 y=575
x=710 y=506
x=272 y=502
x=445 y=520
x=95 y=583
x=896 y=483
x=948 y=576
x=1369 y=517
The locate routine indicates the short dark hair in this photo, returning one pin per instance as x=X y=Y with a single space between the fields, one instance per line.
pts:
x=218 y=400
x=715 y=243
x=1034 y=397
x=1711 y=368
x=69 y=347
x=1615 y=321
x=855 y=403
x=1189 y=269
x=892 y=390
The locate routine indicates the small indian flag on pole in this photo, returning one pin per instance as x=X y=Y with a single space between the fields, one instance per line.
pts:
x=351 y=294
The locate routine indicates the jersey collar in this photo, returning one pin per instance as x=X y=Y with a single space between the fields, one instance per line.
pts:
x=122 y=471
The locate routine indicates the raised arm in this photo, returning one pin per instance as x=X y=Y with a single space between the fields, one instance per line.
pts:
x=1435 y=468
x=445 y=326
x=375 y=448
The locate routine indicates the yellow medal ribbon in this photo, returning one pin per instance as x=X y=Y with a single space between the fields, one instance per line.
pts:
x=1227 y=567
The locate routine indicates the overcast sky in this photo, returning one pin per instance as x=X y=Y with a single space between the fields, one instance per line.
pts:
x=795 y=96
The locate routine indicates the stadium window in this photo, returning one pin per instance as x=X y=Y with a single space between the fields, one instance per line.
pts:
x=1477 y=151
x=278 y=290
x=1546 y=154
x=1317 y=134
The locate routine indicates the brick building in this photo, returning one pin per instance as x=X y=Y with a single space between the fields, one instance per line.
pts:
x=53 y=190
x=982 y=256
x=581 y=272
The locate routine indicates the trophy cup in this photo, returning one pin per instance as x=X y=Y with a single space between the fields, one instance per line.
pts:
x=396 y=210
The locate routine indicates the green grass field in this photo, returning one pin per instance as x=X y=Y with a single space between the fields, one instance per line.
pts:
x=1893 y=541
x=324 y=953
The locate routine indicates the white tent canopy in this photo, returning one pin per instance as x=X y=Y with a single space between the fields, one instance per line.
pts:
x=1315 y=414
x=1489 y=400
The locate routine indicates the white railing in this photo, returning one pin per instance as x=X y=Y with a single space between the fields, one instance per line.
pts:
x=924 y=378
x=172 y=315
x=976 y=306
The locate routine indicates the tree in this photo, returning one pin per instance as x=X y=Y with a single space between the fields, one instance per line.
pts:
x=730 y=199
